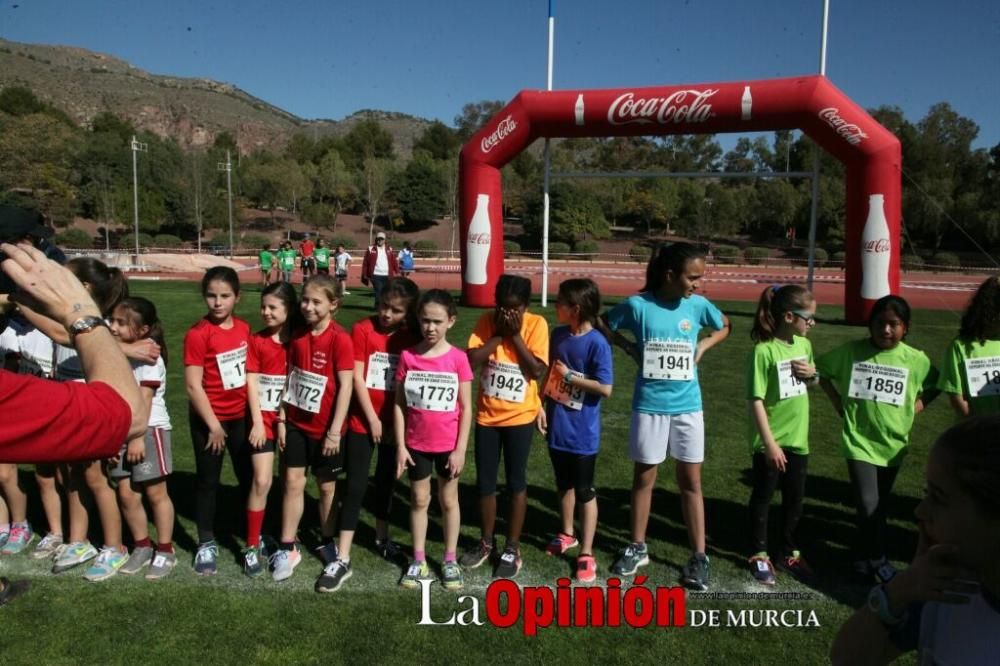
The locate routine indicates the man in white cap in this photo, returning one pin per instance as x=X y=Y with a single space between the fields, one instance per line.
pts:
x=379 y=265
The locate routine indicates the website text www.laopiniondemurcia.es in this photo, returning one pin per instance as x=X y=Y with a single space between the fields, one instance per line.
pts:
x=566 y=606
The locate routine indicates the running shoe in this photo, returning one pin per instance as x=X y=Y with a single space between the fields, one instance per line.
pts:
x=762 y=570
x=252 y=557
x=73 y=554
x=634 y=556
x=20 y=537
x=107 y=564
x=283 y=564
x=3 y=538
x=477 y=555
x=333 y=576
x=561 y=543
x=509 y=563
x=138 y=560
x=47 y=547
x=451 y=576
x=416 y=572
x=163 y=564
x=205 y=559
x=389 y=550
x=796 y=565
x=696 y=573
x=328 y=553
x=586 y=569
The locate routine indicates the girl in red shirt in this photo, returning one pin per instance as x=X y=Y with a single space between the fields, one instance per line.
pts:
x=313 y=418
x=215 y=359
x=267 y=372
x=378 y=342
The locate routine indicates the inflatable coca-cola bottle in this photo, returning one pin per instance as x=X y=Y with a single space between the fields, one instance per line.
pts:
x=477 y=243
x=876 y=251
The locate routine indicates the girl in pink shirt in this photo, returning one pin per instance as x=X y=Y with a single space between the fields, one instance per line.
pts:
x=433 y=415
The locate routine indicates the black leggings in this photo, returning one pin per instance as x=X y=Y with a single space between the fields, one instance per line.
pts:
x=872 y=486
x=793 y=487
x=208 y=467
x=515 y=444
x=358 y=449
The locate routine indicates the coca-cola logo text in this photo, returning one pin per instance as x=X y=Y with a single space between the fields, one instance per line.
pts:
x=681 y=106
x=503 y=130
x=483 y=238
x=852 y=133
x=876 y=245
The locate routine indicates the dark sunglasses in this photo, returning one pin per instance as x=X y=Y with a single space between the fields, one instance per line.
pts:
x=806 y=317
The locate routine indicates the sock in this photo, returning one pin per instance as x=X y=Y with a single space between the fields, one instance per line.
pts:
x=165 y=547
x=23 y=525
x=287 y=545
x=641 y=545
x=4 y=528
x=347 y=561
x=255 y=520
x=143 y=543
x=419 y=556
x=449 y=556
x=701 y=556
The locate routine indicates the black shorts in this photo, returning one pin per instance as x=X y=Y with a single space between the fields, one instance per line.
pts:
x=304 y=451
x=308 y=262
x=424 y=461
x=323 y=270
x=269 y=447
x=572 y=470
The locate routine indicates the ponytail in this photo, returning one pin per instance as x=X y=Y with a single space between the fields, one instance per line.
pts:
x=773 y=303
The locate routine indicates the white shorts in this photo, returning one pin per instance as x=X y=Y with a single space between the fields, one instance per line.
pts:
x=652 y=437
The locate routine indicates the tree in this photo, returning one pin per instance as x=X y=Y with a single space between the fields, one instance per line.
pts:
x=575 y=213
x=439 y=141
x=419 y=190
x=375 y=178
x=474 y=115
x=367 y=139
x=333 y=186
x=20 y=101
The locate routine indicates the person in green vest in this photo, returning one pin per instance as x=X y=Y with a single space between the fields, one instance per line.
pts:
x=322 y=256
x=970 y=374
x=286 y=261
x=266 y=263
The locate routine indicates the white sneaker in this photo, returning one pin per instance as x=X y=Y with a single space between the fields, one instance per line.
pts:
x=283 y=563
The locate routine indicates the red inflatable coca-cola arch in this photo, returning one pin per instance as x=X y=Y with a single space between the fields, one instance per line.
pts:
x=870 y=152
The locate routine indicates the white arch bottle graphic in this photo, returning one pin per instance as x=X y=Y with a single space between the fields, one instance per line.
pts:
x=477 y=243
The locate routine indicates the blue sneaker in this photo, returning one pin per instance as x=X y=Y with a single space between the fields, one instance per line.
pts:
x=107 y=564
x=205 y=559
x=20 y=537
x=72 y=555
x=633 y=557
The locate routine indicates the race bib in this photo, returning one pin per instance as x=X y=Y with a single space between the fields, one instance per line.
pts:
x=983 y=376
x=504 y=381
x=381 y=373
x=668 y=360
x=269 y=390
x=789 y=385
x=433 y=391
x=879 y=383
x=563 y=393
x=233 y=368
x=305 y=390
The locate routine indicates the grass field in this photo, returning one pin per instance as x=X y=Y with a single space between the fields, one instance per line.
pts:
x=232 y=619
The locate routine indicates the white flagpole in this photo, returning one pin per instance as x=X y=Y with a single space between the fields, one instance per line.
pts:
x=545 y=196
x=815 y=176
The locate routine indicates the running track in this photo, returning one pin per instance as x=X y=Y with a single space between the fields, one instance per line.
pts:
x=934 y=291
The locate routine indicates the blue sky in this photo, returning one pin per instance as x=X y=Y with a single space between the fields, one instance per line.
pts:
x=329 y=58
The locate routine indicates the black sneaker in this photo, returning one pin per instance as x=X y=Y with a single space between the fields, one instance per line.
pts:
x=328 y=553
x=389 y=550
x=509 y=563
x=477 y=555
x=633 y=557
x=253 y=561
x=696 y=575
x=333 y=576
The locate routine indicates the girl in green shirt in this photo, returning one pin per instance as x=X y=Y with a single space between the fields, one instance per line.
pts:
x=970 y=374
x=778 y=372
x=877 y=385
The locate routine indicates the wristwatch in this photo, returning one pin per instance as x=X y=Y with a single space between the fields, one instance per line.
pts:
x=84 y=324
x=878 y=603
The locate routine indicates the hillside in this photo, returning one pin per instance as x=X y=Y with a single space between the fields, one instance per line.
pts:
x=193 y=111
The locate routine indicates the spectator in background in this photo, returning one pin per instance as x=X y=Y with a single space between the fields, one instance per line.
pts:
x=306 y=249
x=379 y=265
x=341 y=264
x=406 y=260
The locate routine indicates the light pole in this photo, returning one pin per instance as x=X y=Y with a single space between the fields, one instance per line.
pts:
x=137 y=147
x=227 y=166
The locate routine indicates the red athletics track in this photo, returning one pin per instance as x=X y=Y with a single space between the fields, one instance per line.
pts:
x=932 y=291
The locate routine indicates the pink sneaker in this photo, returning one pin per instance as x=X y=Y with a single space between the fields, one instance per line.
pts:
x=561 y=543
x=586 y=569
x=18 y=540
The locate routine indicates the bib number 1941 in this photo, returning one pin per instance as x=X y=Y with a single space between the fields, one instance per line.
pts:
x=668 y=360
